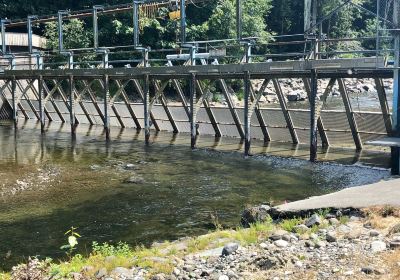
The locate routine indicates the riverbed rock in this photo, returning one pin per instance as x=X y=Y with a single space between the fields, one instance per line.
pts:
x=277 y=235
x=134 y=179
x=281 y=243
x=122 y=272
x=315 y=219
x=378 y=246
x=102 y=272
x=298 y=95
x=258 y=214
x=229 y=249
x=331 y=237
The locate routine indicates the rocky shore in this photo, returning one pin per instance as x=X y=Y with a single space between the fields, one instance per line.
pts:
x=328 y=244
x=294 y=90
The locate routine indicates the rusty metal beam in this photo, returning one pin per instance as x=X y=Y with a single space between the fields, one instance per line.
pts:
x=350 y=114
x=285 y=111
x=384 y=105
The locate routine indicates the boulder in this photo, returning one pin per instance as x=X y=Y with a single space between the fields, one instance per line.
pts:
x=258 y=214
x=229 y=249
x=313 y=220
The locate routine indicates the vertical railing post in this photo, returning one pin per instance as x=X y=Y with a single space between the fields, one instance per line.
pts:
x=183 y=21
x=72 y=106
x=30 y=33
x=313 y=123
x=396 y=89
x=239 y=13
x=14 y=100
x=136 y=23
x=60 y=30
x=146 y=97
x=3 y=35
x=41 y=107
x=106 y=84
x=193 y=97
x=95 y=12
x=247 y=117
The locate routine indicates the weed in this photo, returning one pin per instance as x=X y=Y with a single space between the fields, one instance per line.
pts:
x=289 y=225
x=72 y=241
x=323 y=212
x=344 y=220
x=105 y=249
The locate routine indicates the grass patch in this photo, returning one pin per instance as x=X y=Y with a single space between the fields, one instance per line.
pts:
x=289 y=225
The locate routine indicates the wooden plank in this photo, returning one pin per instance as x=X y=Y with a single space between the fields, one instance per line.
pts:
x=146 y=97
x=193 y=113
x=72 y=105
x=384 y=105
x=313 y=116
x=106 y=92
x=13 y=97
x=385 y=142
x=350 y=114
x=286 y=114
x=36 y=95
x=41 y=106
x=247 y=115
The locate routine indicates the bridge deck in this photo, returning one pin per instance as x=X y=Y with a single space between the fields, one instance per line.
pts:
x=336 y=68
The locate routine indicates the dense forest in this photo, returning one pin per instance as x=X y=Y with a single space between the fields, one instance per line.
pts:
x=208 y=20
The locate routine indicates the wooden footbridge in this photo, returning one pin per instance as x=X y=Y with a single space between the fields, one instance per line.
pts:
x=135 y=96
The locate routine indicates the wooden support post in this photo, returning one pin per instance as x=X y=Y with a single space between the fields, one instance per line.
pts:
x=164 y=103
x=50 y=97
x=142 y=95
x=193 y=112
x=41 y=106
x=146 y=99
x=384 y=105
x=64 y=98
x=14 y=100
x=72 y=106
x=210 y=113
x=350 y=114
x=247 y=116
x=106 y=87
x=320 y=124
x=285 y=111
x=313 y=122
x=260 y=118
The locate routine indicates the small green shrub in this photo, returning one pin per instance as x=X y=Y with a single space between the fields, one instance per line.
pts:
x=105 y=249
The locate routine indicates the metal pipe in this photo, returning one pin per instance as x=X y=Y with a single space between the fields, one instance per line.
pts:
x=96 y=9
x=30 y=34
x=3 y=35
x=183 y=22
x=136 y=23
x=60 y=30
x=239 y=20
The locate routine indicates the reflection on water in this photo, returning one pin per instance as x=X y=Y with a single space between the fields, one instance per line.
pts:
x=124 y=190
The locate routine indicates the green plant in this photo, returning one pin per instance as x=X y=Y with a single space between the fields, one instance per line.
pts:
x=324 y=212
x=105 y=249
x=289 y=225
x=215 y=221
x=72 y=241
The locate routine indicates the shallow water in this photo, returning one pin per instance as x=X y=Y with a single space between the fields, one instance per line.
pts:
x=50 y=183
